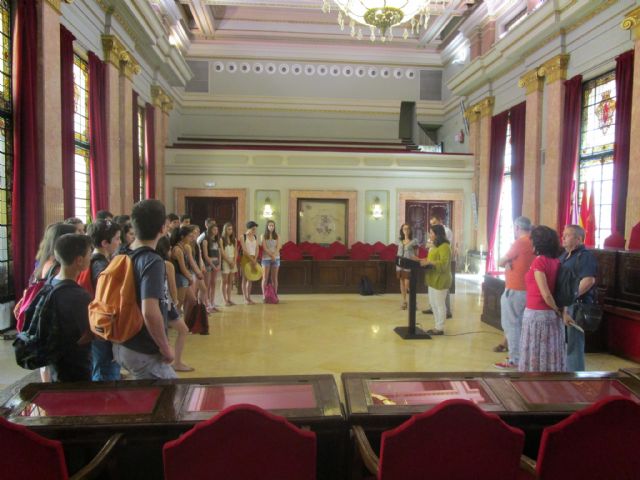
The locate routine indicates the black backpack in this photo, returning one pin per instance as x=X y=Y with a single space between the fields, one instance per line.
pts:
x=567 y=282
x=40 y=342
x=365 y=287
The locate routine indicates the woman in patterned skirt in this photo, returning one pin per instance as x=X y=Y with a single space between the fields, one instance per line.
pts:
x=542 y=345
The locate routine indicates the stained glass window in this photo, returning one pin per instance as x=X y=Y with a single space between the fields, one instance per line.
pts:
x=505 y=220
x=6 y=155
x=595 y=172
x=82 y=195
x=142 y=157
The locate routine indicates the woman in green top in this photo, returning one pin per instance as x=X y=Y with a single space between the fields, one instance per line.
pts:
x=438 y=276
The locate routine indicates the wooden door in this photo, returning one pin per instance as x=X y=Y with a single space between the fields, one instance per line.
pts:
x=221 y=209
x=419 y=212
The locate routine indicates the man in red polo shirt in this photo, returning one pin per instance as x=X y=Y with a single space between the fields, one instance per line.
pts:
x=516 y=263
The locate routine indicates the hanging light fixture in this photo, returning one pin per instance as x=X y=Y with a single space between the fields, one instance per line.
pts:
x=381 y=16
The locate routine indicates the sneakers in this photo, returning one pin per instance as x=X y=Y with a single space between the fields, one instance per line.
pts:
x=433 y=331
x=506 y=365
x=428 y=311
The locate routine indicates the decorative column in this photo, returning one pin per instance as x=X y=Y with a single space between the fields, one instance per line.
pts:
x=49 y=130
x=555 y=73
x=533 y=82
x=164 y=104
x=632 y=22
x=488 y=34
x=121 y=68
x=474 y=147
x=475 y=40
x=484 y=111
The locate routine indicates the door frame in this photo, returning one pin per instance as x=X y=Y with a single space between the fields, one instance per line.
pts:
x=180 y=195
x=457 y=197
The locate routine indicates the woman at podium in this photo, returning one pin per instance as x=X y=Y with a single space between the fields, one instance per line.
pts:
x=438 y=276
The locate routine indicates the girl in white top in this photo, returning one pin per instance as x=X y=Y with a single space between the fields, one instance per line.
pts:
x=270 y=256
x=249 y=254
x=228 y=253
x=406 y=249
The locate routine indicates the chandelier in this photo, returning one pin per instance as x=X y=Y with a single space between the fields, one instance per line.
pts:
x=381 y=16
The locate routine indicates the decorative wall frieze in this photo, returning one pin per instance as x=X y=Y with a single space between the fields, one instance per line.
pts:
x=482 y=109
x=532 y=81
x=161 y=99
x=555 y=68
x=632 y=22
x=116 y=54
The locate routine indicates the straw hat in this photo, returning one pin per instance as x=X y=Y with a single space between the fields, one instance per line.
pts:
x=252 y=272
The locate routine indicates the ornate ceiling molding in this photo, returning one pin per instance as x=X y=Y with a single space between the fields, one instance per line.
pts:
x=632 y=22
x=116 y=54
x=532 y=81
x=555 y=68
x=161 y=99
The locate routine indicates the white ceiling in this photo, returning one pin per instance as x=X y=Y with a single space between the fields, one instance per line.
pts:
x=298 y=29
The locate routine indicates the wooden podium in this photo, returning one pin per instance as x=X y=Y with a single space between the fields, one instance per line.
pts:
x=411 y=332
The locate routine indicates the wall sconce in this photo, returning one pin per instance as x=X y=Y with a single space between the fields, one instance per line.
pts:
x=267 y=211
x=376 y=209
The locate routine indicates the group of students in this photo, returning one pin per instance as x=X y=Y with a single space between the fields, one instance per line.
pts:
x=174 y=268
x=541 y=327
x=438 y=274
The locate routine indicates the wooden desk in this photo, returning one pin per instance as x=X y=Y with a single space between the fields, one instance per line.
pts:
x=149 y=413
x=381 y=401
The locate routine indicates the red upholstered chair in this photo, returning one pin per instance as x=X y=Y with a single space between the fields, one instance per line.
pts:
x=288 y=244
x=243 y=442
x=338 y=249
x=615 y=240
x=634 y=239
x=422 y=252
x=454 y=440
x=28 y=456
x=291 y=253
x=389 y=253
x=378 y=247
x=322 y=254
x=600 y=441
x=305 y=246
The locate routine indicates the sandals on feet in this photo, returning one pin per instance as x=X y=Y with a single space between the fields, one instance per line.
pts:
x=403 y=306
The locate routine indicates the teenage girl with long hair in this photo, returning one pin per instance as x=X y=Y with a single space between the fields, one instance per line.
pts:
x=211 y=255
x=228 y=251
x=249 y=255
x=270 y=256
x=181 y=257
x=406 y=249
x=171 y=297
x=199 y=286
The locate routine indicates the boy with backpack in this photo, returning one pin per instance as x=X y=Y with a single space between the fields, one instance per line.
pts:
x=59 y=324
x=105 y=235
x=148 y=355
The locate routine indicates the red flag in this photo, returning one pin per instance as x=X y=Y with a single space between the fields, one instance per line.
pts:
x=584 y=209
x=590 y=225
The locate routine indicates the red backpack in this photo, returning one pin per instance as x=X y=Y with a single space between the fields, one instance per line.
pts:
x=30 y=293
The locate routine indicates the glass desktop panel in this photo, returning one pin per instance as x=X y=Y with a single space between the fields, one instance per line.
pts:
x=269 y=397
x=415 y=392
x=68 y=403
x=570 y=391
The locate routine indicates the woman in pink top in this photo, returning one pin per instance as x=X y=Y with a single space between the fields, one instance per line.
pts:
x=542 y=345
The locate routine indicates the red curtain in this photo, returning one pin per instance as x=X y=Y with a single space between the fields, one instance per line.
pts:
x=517 y=119
x=624 y=94
x=569 y=152
x=98 y=157
x=66 y=120
x=136 y=150
x=150 y=144
x=496 y=172
x=26 y=211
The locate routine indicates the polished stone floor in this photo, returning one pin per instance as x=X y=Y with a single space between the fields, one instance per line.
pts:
x=334 y=333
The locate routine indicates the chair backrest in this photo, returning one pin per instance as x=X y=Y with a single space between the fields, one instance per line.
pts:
x=634 y=238
x=243 y=442
x=28 y=456
x=615 y=240
x=600 y=441
x=455 y=440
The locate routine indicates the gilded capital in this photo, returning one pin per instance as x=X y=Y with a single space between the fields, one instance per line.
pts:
x=161 y=99
x=116 y=54
x=484 y=108
x=554 y=69
x=532 y=81
x=632 y=22
x=471 y=115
